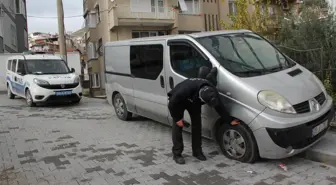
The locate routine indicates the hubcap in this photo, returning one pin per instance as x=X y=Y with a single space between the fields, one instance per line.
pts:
x=29 y=100
x=234 y=143
x=119 y=106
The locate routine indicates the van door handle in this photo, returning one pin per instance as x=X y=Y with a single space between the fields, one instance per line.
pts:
x=171 y=82
x=162 y=81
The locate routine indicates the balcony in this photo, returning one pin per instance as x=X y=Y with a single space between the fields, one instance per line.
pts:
x=123 y=15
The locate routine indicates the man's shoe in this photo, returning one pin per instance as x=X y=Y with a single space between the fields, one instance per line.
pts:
x=179 y=159
x=200 y=156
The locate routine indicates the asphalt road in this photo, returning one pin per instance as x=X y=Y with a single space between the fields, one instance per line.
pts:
x=88 y=144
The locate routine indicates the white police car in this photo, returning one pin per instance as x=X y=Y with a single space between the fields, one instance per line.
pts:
x=42 y=78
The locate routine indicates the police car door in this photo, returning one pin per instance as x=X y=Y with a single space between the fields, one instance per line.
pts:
x=19 y=78
x=185 y=60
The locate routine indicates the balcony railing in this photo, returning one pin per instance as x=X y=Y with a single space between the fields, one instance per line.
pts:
x=154 y=12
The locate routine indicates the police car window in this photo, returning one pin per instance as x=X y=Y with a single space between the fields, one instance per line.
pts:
x=146 y=61
x=21 y=67
x=186 y=60
x=14 y=65
x=9 y=65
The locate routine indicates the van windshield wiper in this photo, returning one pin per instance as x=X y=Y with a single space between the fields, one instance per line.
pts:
x=37 y=73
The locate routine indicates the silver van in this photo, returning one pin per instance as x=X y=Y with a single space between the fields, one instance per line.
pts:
x=284 y=108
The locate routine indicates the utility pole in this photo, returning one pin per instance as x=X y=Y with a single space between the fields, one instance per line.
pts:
x=61 y=35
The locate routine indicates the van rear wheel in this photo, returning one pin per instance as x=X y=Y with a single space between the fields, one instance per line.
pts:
x=237 y=143
x=9 y=92
x=120 y=108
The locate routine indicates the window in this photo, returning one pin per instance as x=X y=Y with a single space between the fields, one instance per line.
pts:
x=232 y=7
x=13 y=34
x=9 y=64
x=98 y=14
x=21 y=67
x=141 y=34
x=12 y=5
x=186 y=60
x=95 y=80
x=26 y=39
x=144 y=65
x=157 y=6
x=100 y=47
x=17 y=3
x=193 y=7
x=246 y=54
x=205 y=22
x=14 y=65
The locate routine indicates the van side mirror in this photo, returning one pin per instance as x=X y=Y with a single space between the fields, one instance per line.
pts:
x=21 y=72
x=72 y=70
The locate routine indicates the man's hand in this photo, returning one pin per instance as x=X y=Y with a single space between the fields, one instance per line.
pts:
x=180 y=123
x=235 y=122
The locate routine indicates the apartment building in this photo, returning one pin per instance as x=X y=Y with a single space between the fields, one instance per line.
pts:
x=13 y=26
x=111 y=20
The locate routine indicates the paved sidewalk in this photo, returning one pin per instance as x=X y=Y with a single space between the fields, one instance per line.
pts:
x=87 y=144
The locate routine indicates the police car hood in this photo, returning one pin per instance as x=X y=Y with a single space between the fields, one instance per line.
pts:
x=58 y=78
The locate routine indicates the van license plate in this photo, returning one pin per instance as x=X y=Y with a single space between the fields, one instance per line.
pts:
x=63 y=93
x=319 y=128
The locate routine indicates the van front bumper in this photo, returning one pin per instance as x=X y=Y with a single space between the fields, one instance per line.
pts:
x=43 y=95
x=277 y=143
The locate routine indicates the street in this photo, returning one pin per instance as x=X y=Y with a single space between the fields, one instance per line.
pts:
x=88 y=144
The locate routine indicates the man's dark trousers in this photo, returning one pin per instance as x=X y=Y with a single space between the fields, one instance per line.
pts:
x=194 y=109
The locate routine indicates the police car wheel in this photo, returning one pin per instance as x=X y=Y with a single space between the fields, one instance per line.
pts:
x=29 y=99
x=9 y=93
x=238 y=143
x=120 y=108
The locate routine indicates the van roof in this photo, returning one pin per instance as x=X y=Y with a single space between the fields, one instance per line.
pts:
x=166 y=37
x=35 y=57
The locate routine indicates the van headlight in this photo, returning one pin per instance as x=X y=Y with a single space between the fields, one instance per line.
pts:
x=40 y=82
x=76 y=80
x=274 y=101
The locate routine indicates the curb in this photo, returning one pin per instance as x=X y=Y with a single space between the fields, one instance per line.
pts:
x=322 y=151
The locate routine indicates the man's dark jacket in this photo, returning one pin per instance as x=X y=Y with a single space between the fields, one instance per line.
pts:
x=187 y=92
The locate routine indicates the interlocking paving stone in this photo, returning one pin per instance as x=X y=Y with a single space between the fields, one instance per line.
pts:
x=88 y=144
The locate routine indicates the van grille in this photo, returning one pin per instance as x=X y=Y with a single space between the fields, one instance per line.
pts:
x=59 y=86
x=304 y=106
x=320 y=98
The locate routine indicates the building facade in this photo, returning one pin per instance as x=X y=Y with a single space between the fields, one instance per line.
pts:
x=13 y=26
x=111 y=20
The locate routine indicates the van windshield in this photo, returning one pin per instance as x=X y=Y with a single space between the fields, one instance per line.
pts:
x=246 y=54
x=47 y=67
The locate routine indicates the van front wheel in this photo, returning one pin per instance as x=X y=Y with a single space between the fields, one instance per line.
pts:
x=120 y=108
x=29 y=99
x=237 y=142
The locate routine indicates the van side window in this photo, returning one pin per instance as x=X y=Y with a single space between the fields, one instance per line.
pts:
x=9 y=65
x=186 y=60
x=21 y=67
x=146 y=61
x=14 y=66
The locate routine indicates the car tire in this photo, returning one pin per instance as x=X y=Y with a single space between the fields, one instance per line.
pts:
x=9 y=92
x=120 y=108
x=29 y=99
x=238 y=143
